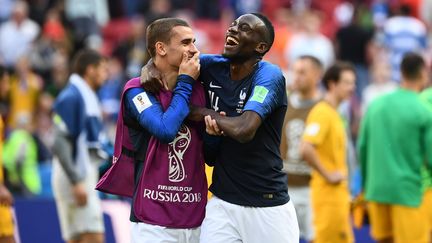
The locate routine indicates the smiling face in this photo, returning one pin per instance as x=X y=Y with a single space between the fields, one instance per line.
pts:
x=182 y=40
x=245 y=38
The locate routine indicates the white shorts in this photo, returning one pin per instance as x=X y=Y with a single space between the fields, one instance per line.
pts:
x=148 y=233
x=301 y=199
x=230 y=223
x=76 y=220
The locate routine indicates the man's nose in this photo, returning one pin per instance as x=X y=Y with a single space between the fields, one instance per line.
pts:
x=233 y=29
x=193 y=49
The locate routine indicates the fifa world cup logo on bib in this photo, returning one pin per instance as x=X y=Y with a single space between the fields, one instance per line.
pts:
x=176 y=150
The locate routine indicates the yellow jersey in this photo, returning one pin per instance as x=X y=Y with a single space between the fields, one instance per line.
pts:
x=23 y=99
x=325 y=130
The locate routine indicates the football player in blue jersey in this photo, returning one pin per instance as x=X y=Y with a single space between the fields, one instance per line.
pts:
x=251 y=201
x=79 y=135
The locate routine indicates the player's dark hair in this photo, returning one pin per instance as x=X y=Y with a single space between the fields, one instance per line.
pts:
x=333 y=74
x=315 y=61
x=411 y=66
x=85 y=58
x=160 y=30
x=270 y=32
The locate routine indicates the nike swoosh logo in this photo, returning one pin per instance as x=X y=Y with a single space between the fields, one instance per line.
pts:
x=214 y=86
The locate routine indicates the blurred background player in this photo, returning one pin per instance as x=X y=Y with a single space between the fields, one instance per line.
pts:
x=324 y=148
x=307 y=73
x=6 y=199
x=403 y=33
x=391 y=166
x=426 y=96
x=78 y=141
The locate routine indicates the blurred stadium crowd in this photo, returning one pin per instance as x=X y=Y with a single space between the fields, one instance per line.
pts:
x=39 y=37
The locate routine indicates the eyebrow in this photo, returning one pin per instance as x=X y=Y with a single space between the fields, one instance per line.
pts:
x=245 y=23
x=188 y=40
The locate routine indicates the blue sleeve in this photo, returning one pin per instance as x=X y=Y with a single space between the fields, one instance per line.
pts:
x=148 y=111
x=205 y=60
x=268 y=91
x=70 y=108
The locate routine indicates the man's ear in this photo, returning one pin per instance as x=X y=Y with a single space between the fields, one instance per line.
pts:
x=261 y=48
x=160 y=48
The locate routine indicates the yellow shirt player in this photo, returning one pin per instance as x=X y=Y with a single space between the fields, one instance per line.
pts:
x=6 y=221
x=25 y=89
x=324 y=148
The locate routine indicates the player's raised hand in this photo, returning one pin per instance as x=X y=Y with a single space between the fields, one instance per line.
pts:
x=190 y=65
x=151 y=79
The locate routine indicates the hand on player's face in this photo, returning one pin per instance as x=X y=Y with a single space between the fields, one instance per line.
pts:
x=190 y=65
x=151 y=79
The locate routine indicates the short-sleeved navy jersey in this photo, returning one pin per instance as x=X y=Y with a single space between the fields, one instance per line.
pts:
x=248 y=174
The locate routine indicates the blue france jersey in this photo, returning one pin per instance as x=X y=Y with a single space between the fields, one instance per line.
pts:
x=248 y=174
x=70 y=109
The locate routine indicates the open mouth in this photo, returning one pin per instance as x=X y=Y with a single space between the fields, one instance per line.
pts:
x=231 y=42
